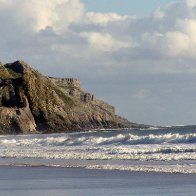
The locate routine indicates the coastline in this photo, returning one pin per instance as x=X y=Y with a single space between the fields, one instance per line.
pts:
x=171 y=167
x=78 y=181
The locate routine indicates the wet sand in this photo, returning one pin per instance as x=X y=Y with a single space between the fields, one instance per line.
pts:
x=50 y=181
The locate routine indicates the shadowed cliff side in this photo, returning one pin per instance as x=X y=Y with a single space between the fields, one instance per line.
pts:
x=32 y=103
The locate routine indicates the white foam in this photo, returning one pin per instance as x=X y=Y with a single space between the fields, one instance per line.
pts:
x=123 y=139
x=95 y=145
x=191 y=169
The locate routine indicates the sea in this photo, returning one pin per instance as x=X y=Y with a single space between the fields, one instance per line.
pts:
x=163 y=150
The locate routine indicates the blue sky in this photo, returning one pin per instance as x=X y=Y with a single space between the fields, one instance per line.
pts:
x=128 y=7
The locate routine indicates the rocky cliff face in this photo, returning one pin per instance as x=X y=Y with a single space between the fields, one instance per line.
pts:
x=31 y=103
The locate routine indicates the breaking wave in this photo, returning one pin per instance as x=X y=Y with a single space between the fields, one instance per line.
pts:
x=119 y=139
x=122 y=145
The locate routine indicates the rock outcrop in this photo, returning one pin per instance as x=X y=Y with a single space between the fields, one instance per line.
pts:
x=33 y=103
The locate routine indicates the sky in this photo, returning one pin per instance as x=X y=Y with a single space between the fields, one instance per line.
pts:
x=126 y=7
x=138 y=57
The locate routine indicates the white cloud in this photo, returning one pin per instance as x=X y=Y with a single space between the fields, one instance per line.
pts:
x=104 y=18
x=190 y=3
x=39 y=15
x=104 y=41
x=171 y=34
x=65 y=26
x=188 y=26
x=176 y=43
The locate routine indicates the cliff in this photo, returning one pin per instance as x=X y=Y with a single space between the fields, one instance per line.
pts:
x=32 y=103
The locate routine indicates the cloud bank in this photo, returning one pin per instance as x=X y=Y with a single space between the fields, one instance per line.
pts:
x=150 y=60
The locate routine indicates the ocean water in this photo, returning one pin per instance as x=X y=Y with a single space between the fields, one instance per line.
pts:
x=168 y=150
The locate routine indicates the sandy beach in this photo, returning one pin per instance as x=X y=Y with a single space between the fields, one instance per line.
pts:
x=50 y=181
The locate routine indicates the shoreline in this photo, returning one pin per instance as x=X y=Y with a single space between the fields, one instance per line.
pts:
x=102 y=171
x=57 y=181
x=91 y=169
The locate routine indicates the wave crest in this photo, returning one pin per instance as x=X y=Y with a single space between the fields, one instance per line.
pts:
x=85 y=139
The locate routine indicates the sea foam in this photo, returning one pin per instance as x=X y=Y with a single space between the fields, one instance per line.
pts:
x=130 y=145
